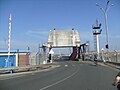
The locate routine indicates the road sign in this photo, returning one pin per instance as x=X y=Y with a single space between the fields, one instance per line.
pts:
x=51 y=52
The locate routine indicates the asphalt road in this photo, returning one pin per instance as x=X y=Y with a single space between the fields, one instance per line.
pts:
x=69 y=76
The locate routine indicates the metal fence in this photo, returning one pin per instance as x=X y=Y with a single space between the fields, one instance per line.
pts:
x=41 y=56
x=113 y=56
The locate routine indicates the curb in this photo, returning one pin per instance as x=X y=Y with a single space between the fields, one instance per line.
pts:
x=28 y=69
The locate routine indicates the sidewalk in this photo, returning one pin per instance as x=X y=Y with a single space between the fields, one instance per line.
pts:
x=113 y=65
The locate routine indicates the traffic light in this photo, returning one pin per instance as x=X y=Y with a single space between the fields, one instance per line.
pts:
x=107 y=46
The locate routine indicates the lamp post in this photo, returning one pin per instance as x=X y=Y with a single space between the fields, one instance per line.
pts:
x=105 y=10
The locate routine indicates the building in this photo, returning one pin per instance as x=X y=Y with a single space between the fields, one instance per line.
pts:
x=16 y=58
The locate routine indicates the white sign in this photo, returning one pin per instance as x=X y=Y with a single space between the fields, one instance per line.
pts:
x=51 y=52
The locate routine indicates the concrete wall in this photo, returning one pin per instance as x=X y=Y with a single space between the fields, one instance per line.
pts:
x=58 y=38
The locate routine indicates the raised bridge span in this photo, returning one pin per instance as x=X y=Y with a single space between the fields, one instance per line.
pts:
x=64 y=38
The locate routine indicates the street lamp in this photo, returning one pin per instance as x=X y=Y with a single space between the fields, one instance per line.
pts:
x=106 y=20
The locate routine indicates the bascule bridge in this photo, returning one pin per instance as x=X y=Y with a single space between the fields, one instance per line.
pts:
x=63 y=39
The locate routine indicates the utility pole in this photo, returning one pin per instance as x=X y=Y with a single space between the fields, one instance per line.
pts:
x=105 y=11
x=9 y=43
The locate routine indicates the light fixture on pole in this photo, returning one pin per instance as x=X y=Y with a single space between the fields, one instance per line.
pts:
x=105 y=10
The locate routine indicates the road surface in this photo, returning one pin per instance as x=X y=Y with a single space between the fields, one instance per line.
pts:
x=69 y=76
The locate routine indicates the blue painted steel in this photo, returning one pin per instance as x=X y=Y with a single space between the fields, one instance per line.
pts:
x=7 y=62
x=15 y=51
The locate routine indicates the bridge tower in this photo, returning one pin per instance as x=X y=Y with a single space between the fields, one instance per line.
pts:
x=96 y=31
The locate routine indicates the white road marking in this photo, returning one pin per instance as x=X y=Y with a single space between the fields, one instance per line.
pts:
x=60 y=80
x=66 y=65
